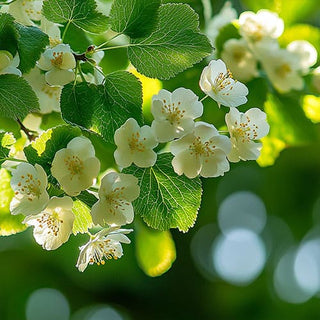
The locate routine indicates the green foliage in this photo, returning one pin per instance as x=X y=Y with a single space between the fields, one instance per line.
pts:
x=81 y=13
x=83 y=219
x=6 y=140
x=173 y=46
x=31 y=43
x=17 y=98
x=135 y=18
x=227 y=32
x=9 y=224
x=166 y=199
x=8 y=33
x=155 y=250
x=103 y=108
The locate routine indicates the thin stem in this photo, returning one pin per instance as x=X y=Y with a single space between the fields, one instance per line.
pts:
x=65 y=30
x=80 y=72
x=223 y=131
x=13 y=159
x=31 y=135
x=97 y=68
x=104 y=43
x=205 y=97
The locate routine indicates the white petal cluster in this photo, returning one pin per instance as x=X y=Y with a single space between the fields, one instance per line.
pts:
x=59 y=63
x=105 y=244
x=29 y=184
x=8 y=63
x=217 y=82
x=53 y=226
x=259 y=26
x=174 y=113
x=239 y=59
x=244 y=129
x=75 y=167
x=135 y=145
x=201 y=152
x=116 y=193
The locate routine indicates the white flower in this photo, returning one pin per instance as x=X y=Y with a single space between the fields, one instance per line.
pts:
x=116 y=193
x=239 y=59
x=174 y=113
x=306 y=52
x=106 y=244
x=217 y=82
x=244 y=128
x=226 y=15
x=261 y=25
x=202 y=152
x=8 y=63
x=282 y=68
x=135 y=145
x=75 y=166
x=29 y=185
x=53 y=226
x=52 y=30
x=58 y=62
x=49 y=96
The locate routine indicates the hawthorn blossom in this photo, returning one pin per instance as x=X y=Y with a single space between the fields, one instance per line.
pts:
x=76 y=166
x=106 y=244
x=116 y=193
x=134 y=145
x=174 y=113
x=29 y=184
x=244 y=128
x=8 y=63
x=58 y=62
x=239 y=59
x=53 y=226
x=262 y=25
x=217 y=82
x=201 y=152
x=49 y=96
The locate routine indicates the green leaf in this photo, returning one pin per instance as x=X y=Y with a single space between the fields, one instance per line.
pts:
x=17 y=98
x=155 y=250
x=166 y=199
x=8 y=33
x=9 y=224
x=173 y=46
x=44 y=148
x=83 y=219
x=227 y=32
x=31 y=43
x=81 y=13
x=135 y=18
x=6 y=140
x=103 y=108
x=87 y=198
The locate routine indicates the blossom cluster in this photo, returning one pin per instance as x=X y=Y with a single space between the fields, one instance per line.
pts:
x=198 y=147
x=258 y=45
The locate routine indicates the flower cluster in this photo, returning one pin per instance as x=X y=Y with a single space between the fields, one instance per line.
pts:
x=258 y=43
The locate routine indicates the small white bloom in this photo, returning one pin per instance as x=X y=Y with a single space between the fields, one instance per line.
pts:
x=239 y=59
x=202 y=152
x=217 y=82
x=29 y=184
x=174 y=113
x=135 y=145
x=8 y=63
x=106 y=244
x=261 y=25
x=306 y=52
x=52 y=30
x=116 y=193
x=244 y=128
x=282 y=68
x=58 y=62
x=53 y=226
x=226 y=15
x=49 y=96
x=75 y=166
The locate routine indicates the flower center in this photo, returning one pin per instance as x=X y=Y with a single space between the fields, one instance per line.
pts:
x=201 y=149
x=283 y=70
x=135 y=144
x=116 y=201
x=51 y=92
x=74 y=165
x=245 y=131
x=57 y=59
x=101 y=250
x=51 y=222
x=222 y=81
x=29 y=186
x=173 y=113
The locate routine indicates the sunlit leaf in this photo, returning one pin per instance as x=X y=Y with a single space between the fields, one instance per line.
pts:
x=83 y=219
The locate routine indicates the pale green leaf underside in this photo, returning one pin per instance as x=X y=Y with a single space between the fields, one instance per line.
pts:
x=17 y=98
x=82 y=13
x=173 y=46
x=166 y=200
x=83 y=219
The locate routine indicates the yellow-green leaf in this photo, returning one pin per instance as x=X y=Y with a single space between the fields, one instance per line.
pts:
x=83 y=219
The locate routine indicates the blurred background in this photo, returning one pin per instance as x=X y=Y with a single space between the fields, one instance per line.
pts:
x=254 y=252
